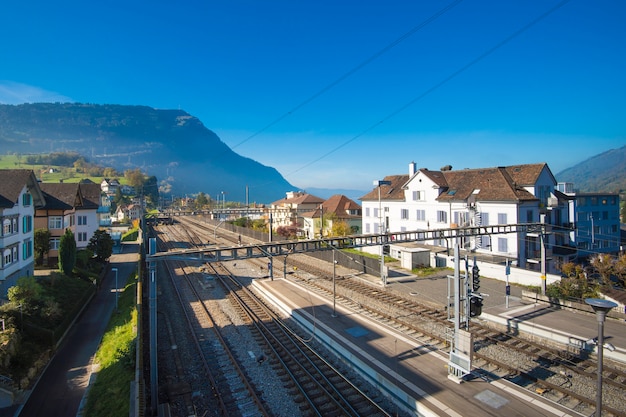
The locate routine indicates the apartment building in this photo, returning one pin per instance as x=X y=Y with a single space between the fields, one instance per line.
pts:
x=425 y=200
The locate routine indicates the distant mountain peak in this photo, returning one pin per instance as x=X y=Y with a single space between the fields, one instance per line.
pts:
x=170 y=144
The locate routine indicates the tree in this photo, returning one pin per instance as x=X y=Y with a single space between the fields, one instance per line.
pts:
x=135 y=178
x=603 y=264
x=101 y=244
x=151 y=190
x=41 y=244
x=27 y=293
x=340 y=228
x=201 y=201
x=67 y=252
x=109 y=172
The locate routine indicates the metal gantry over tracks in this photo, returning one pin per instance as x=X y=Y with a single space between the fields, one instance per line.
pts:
x=213 y=253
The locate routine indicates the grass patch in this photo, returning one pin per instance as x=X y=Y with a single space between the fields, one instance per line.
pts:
x=110 y=394
x=357 y=252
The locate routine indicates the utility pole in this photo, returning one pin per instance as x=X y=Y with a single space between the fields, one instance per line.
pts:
x=542 y=219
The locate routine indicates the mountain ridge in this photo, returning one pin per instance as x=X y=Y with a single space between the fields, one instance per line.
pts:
x=605 y=172
x=173 y=145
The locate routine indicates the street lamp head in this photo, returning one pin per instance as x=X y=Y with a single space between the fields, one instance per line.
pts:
x=600 y=305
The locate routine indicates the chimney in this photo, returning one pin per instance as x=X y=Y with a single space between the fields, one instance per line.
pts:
x=412 y=169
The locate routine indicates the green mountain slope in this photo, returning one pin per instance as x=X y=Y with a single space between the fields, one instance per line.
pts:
x=171 y=144
x=605 y=172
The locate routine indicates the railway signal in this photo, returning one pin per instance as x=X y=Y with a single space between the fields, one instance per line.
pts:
x=475 y=278
x=476 y=305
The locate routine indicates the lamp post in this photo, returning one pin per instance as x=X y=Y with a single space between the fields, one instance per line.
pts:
x=115 y=270
x=601 y=307
x=321 y=221
x=334 y=288
x=383 y=278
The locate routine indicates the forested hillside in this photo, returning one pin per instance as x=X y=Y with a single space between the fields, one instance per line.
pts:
x=605 y=172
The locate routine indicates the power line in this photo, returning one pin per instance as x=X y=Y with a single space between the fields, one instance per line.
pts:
x=440 y=83
x=366 y=62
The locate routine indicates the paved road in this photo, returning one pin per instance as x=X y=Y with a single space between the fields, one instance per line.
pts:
x=60 y=389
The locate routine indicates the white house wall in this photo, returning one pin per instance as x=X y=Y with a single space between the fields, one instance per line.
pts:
x=20 y=267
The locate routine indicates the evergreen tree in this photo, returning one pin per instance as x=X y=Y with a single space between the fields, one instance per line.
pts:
x=42 y=244
x=101 y=244
x=67 y=252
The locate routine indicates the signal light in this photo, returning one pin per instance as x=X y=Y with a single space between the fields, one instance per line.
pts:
x=476 y=306
x=475 y=278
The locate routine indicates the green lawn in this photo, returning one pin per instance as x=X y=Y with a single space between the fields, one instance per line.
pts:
x=110 y=394
x=42 y=172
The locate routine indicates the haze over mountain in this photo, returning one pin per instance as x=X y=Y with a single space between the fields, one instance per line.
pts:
x=187 y=158
x=170 y=144
x=605 y=172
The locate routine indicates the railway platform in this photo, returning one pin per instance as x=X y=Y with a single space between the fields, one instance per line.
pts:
x=415 y=375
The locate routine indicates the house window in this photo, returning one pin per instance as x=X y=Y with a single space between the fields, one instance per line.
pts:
x=27 y=249
x=55 y=222
x=82 y=220
x=421 y=215
x=442 y=216
x=502 y=218
x=7 y=257
x=27 y=224
x=367 y=211
x=7 y=228
x=404 y=214
x=502 y=244
x=376 y=212
x=26 y=199
x=54 y=243
x=82 y=236
x=418 y=196
x=367 y=228
x=529 y=216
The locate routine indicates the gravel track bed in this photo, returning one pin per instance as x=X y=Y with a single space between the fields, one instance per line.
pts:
x=240 y=338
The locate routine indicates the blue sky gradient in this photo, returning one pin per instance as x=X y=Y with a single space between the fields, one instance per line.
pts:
x=337 y=94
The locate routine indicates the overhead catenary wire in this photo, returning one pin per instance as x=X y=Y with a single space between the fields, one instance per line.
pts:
x=439 y=84
x=352 y=71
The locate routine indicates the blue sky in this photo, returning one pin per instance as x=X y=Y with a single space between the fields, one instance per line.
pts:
x=335 y=94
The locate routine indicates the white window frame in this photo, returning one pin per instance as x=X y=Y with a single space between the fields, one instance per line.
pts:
x=54 y=221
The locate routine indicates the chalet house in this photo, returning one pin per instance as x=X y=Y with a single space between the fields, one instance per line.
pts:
x=109 y=186
x=289 y=210
x=20 y=195
x=72 y=206
x=445 y=199
x=337 y=208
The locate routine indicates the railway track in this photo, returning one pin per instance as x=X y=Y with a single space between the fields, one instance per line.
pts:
x=229 y=388
x=322 y=389
x=316 y=386
x=557 y=373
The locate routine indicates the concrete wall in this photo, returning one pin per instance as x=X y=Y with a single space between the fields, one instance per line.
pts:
x=497 y=271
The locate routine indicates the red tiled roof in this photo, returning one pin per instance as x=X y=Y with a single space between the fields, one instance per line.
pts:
x=394 y=191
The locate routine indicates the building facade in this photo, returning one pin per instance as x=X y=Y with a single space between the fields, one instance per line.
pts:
x=448 y=199
x=20 y=195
